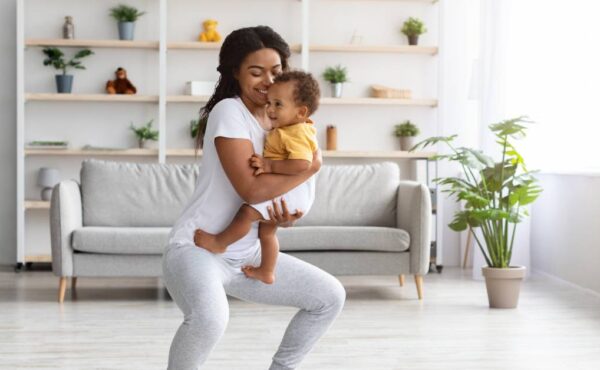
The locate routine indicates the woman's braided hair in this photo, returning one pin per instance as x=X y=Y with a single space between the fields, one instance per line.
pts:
x=236 y=46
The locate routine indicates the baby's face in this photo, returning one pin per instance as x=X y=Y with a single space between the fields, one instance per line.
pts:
x=281 y=108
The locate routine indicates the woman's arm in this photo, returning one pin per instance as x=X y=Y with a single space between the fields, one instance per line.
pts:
x=282 y=167
x=235 y=154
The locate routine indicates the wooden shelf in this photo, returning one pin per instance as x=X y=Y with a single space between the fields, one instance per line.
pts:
x=84 y=152
x=91 y=97
x=194 y=45
x=379 y=101
x=394 y=154
x=183 y=152
x=327 y=101
x=187 y=98
x=197 y=45
x=354 y=48
x=37 y=204
x=133 y=44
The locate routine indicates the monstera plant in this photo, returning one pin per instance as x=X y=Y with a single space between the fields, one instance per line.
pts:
x=495 y=196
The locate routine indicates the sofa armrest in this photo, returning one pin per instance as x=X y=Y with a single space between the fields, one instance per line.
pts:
x=65 y=217
x=414 y=216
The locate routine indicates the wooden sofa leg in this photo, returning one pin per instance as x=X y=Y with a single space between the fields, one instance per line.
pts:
x=73 y=283
x=419 y=282
x=62 y=287
x=401 y=279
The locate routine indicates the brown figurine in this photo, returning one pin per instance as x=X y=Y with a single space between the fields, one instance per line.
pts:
x=121 y=85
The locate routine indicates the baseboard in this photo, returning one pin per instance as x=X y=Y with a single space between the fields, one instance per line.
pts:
x=568 y=283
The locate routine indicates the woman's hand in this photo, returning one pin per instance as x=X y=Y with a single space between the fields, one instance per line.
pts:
x=280 y=216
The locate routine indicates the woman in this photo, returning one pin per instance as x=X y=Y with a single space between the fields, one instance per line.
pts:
x=197 y=279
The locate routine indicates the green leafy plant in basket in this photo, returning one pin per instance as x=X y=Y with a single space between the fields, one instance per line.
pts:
x=144 y=133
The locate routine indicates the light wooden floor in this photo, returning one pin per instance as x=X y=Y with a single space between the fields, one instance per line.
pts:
x=128 y=324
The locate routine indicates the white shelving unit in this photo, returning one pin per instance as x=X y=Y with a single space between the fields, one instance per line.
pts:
x=163 y=100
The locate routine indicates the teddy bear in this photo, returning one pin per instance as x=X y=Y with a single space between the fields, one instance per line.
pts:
x=121 y=85
x=210 y=33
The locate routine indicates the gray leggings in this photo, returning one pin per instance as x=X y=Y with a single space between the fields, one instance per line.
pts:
x=198 y=281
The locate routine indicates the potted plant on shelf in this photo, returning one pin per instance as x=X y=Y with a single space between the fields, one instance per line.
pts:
x=406 y=131
x=336 y=76
x=412 y=28
x=495 y=195
x=144 y=133
x=126 y=17
x=55 y=57
x=196 y=126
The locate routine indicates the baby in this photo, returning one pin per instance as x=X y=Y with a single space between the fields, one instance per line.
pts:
x=288 y=150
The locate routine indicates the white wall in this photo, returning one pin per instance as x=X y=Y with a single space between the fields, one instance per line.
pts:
x=565 y=232
x=100 y=124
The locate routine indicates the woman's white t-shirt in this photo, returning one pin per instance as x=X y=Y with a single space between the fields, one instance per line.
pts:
x=215 y=202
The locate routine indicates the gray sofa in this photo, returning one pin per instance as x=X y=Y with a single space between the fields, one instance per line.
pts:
x=364 y=221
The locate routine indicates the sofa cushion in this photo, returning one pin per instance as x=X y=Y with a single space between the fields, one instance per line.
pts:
x=130 y=194
x=364 y=238
x=121 y=240
x=153 y=240
x=355 y=195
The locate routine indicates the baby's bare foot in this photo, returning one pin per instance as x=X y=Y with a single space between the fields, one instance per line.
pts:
x=267 y=277
x=208 y=241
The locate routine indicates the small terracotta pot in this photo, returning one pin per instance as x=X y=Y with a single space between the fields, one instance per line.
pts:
x=503 y=285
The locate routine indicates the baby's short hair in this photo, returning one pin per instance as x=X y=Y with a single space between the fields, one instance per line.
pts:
x=306 y=88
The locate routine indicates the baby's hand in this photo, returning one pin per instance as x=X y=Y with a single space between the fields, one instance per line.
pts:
x=261 y=165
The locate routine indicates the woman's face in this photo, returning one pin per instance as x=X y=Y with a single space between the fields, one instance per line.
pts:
x=256 y=75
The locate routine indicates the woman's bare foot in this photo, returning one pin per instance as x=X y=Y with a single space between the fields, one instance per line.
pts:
x=208 y=241
x=258 y=273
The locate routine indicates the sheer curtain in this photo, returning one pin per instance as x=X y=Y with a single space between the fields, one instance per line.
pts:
x=553 y=75
x=539 y=58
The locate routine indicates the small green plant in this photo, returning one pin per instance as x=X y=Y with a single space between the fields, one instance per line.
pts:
x=494 y=193
x=197 y=126
x=144 y=133
x=124 y=13
x=406 y=128
x=337 y=74
x=55 y=58
x=413 y=27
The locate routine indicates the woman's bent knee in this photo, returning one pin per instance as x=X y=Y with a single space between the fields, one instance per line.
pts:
x=338 y=295
x=332 y=296
x=207 y=324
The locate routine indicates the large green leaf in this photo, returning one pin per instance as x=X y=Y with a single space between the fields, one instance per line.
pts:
x=498 y=176
x=433 y=141
x=473 y=200
x=524 y=194
x=510 y=127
